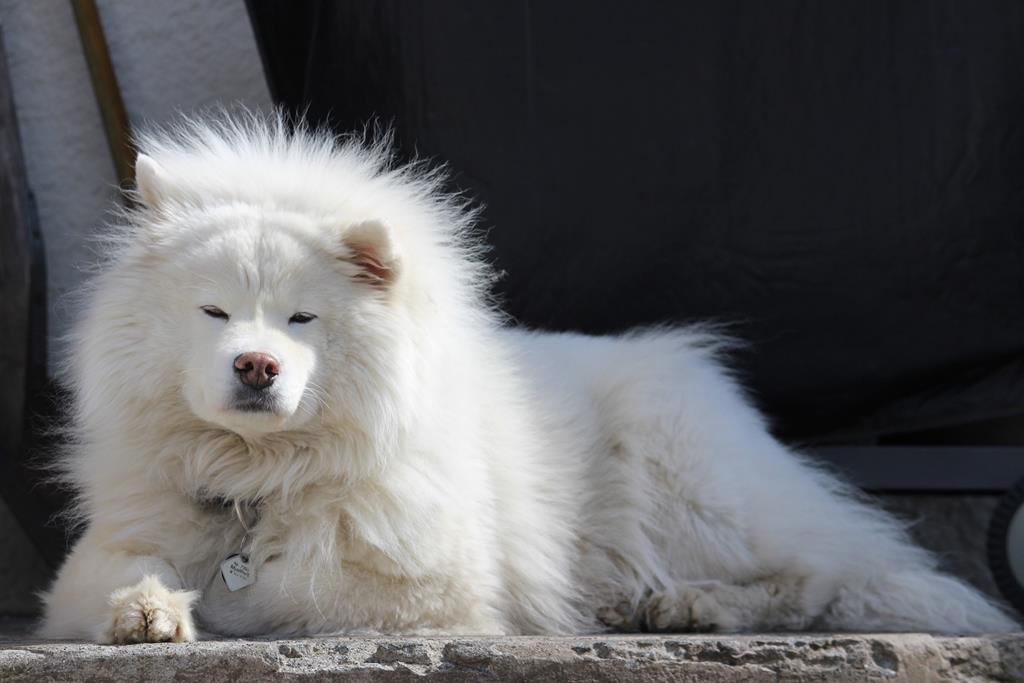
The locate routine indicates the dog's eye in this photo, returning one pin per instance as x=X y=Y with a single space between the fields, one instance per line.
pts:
x=214 y=312
x=301 y=318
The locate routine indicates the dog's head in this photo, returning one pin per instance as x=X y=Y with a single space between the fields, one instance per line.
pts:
x=277 y=317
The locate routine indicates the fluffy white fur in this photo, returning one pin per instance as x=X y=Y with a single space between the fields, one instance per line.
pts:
x=422 y=469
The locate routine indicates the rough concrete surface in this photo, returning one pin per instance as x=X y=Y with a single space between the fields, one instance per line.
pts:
x=831 y=658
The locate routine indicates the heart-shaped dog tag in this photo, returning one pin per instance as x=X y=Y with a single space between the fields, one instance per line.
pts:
x=237 y=572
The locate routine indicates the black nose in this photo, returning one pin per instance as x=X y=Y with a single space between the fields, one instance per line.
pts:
x=257 y=370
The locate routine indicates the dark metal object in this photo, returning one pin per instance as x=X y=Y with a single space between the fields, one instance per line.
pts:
x=1010 y=583
x=108 y=94
x=926 y=469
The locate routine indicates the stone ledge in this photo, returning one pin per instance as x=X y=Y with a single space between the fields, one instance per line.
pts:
x=826 y=658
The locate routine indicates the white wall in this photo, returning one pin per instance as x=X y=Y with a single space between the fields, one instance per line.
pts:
x=170 y=55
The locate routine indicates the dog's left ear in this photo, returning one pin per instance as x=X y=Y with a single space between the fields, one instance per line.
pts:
x=151 y=181
x=371 y=247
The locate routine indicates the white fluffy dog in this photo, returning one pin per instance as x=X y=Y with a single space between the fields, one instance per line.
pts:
x=296 y=413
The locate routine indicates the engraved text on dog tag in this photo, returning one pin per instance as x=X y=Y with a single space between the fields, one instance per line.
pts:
x=237 y=572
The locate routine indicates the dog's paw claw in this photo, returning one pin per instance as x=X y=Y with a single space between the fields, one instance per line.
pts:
x=621 y=616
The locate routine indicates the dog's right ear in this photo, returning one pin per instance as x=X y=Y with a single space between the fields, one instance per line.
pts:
x=151 y=181
x=370 y=246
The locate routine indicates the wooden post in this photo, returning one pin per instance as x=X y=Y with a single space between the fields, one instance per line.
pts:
x=108 y=94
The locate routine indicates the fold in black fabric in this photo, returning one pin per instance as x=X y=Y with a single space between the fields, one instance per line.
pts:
x=844 y=181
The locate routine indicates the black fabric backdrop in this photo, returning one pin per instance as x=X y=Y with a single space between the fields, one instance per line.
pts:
x=843 y=180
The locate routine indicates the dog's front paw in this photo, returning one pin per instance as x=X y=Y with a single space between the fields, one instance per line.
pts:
x=149 y=612
x=696 y=607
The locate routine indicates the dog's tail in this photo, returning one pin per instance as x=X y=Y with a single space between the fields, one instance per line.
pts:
x=877 y=578
x=914 y=600
x=887 y=583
